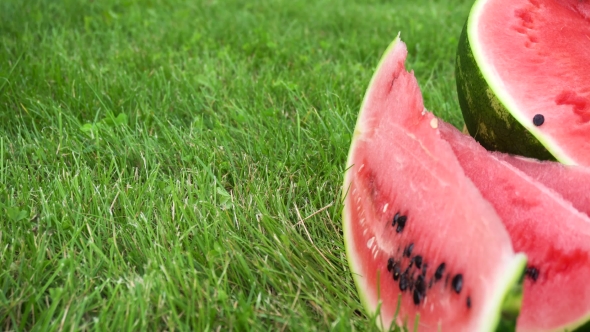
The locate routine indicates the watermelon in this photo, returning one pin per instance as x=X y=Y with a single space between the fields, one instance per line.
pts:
x=523 y=77
x=554 y=235
x=417 y=231
x=571 y=182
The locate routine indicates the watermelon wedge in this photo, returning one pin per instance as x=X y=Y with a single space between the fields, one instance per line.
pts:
x=523 y=77
x=571 y=182
x=418 y=233
x=553 y=234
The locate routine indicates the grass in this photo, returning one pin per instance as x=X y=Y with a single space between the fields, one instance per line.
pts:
x=175 y=165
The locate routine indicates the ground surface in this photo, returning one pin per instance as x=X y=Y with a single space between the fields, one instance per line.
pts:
x=177 y=164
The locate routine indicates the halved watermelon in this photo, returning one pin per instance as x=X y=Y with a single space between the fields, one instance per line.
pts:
x=416 y=229
x=553 y=234
x=523 y=77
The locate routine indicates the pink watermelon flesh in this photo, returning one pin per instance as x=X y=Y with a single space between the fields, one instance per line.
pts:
x=546 y=43
x=399 y=169
x=553 y=234
x=571 y=182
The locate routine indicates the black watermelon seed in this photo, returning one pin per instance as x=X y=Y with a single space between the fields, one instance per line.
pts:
x=412 y=282
x=430 y=283
x=417 y=297
x=395 y=218
x=396 y=272
x=420 y=285
x=538 y=119
x=404 y=282
x=424 y=267
x=390 y=264
x=408 y=250
x=468 y=302
x=418 y=261
x=532 y=272
x=457 y=283
x=439 y=271
x=401 y=223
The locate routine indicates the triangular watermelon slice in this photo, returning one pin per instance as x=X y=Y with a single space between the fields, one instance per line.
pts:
x=418 y=233
x=554 y=235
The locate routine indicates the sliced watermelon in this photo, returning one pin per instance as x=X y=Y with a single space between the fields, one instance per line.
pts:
x=523 y=77
x=417 y=231
x=554 y=235
x=572 y=182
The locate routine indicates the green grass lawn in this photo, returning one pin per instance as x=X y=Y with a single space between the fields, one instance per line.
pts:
x=177 y=164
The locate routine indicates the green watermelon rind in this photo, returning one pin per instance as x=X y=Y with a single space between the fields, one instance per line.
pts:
x=512 y=275
x=490 y=112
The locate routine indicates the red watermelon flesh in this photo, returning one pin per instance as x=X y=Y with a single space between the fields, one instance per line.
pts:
x=537 y=55
x=553 y=234
x=416 y=229
x=571 y=182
